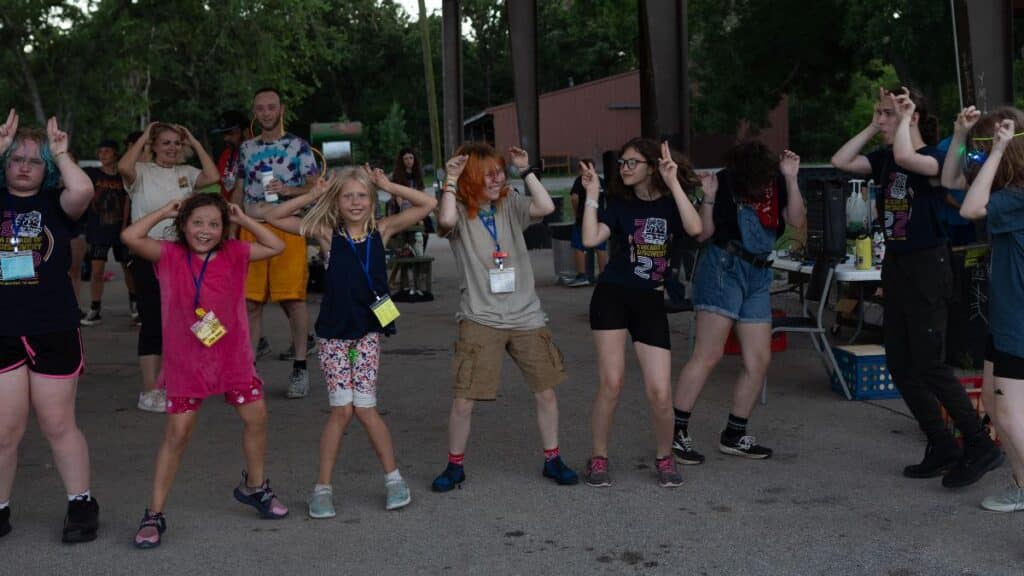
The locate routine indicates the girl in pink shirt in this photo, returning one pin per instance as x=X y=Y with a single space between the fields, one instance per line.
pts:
x=205 y=338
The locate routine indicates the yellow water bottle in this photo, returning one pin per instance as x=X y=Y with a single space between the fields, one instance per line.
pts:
x=862 y=251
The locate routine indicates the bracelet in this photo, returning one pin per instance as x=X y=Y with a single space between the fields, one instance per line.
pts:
x=706 y=203
x=58 y=154
x=526 y=172
x=592 y=204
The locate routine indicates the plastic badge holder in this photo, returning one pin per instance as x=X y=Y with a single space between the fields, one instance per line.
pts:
x=17 y=266
x=503 y=280
x=385 y=310
x=208 y=329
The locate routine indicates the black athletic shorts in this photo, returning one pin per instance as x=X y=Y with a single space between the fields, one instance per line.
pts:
x=56 y=354
x=642 y=312
x=99 y=252
x=1004 y=365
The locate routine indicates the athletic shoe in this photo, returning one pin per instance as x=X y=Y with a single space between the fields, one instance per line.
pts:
x=744 y=446
x=82 y=521
x=298 y=383
x=153 y=401
x=596 y=474
x=453 y=475
x=321 y=503
x=264 y=500
x=290 y=353
x=5 y=521
x=682 y=450
x=1011 y=499
x=668 y=474
x=939 y=457
x=398 y=495
x=975 y=463
x=579 y=281
x=559 y=472
x=151 y=528
x=262 y=349
x=92 y=318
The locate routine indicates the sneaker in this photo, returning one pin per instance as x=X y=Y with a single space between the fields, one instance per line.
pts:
x=298 y=383
x=1011 y=499
x=262 y=349
x=939 y=457
x=153 y=401
x=264 y=500
x=668 y=474
x=453 y=475
x=92 y=318
x=398 y=495
x=290 y=353
x=5 y=521
x=82 y=521
x=579 y=281
x=975 y=463
x=151 y=528
x=559 y=472
x=321 y=503
x=682 y=450
x=596 y=473
x=745 y=446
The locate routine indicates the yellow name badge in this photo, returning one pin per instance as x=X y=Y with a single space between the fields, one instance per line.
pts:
x=385 y=310
x=208 y=329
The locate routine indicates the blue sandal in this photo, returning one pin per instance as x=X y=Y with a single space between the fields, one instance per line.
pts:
x=151 y=528
x=264 y=500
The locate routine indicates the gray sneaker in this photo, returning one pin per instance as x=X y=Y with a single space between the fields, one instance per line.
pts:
x=321 y=503
x=298 y=383
x=668 y=474
x=262 y=349
x=398 y=495
x=579 y=281
x=1011 y=499
x=596 y=473
x=153 y=401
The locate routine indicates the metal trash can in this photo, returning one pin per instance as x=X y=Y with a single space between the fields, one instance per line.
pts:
x=562 y=250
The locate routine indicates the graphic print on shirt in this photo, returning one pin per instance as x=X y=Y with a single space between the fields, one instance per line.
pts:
x=648 y=247
x=33 y=237
x=897 y=207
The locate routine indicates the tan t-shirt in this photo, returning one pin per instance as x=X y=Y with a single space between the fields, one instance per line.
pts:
x=155 y=186
x=474 y=249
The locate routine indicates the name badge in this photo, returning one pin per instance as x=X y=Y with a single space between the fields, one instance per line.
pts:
x=17 y=265
x=503 y=280
x=385 y=310
x=208 y=329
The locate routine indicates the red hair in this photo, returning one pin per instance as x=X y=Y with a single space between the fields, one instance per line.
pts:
x=472 y=183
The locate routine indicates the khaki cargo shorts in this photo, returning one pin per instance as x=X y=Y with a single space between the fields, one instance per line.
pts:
x=479 y=353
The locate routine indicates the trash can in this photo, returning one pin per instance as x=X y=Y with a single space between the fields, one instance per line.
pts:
x=562 y=250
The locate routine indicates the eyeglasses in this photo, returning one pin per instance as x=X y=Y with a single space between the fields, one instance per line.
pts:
x=630 y=163
x=23 y=160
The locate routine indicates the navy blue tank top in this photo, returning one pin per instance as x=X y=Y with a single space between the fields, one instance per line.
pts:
x=345 y=310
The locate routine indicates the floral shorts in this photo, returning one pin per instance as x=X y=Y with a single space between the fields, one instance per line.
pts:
x=350 y=369
x=237 y=397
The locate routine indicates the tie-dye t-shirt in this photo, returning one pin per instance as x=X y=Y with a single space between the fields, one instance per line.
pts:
x=290 y=157
x=909 y=204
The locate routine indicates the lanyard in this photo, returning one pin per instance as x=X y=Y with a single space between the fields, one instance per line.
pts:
x=491 y=225
x=15 y=227
x=197 y=281
x=365 y=265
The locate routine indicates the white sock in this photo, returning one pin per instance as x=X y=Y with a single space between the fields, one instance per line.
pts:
x=393 y=476
x=4 y=504
x=84 y=496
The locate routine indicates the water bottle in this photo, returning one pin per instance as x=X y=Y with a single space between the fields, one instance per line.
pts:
x=266 y=177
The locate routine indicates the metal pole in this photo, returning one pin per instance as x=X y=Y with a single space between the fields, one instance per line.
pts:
x=664 y=78
x=522 y=24
x=451 y=65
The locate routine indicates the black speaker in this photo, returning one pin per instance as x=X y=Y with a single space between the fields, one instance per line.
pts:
x=826 y=219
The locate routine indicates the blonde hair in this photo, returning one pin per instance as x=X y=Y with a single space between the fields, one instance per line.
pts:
x=324 y=217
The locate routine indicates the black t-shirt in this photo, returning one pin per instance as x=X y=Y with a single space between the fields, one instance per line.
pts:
x=642 y=232
x=106 y=213
x=46 y=302
x=770 y=208
x=581 y=197
x=909 y=204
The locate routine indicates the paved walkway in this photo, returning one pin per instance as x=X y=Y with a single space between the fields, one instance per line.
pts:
x=831 y=501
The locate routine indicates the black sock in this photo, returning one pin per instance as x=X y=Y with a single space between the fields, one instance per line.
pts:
x=96 y=305
x=131 y=297
x=735 y=428
x=682 y=421
x=299 y=364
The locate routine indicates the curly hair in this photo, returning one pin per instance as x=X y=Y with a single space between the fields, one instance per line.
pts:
x=398 y=172
x=1011 y=169
x=472 y=182
x=325 y=216
x=752 y=167
x=194 y=202
x=51 y=177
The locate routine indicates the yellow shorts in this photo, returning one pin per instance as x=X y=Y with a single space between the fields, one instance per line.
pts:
x=281 y=278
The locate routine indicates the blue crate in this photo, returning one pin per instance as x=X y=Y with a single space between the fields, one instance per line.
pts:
x=865 y=372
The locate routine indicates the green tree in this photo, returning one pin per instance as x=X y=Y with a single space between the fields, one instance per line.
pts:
x=388 y=136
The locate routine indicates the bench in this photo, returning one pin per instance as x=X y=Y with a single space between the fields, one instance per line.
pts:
x=418 y=267
x=553 y=162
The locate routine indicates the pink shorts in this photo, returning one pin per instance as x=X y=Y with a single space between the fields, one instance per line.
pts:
x=237 y=397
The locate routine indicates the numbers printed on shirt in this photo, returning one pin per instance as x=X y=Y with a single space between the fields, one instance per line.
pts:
x=643 y=267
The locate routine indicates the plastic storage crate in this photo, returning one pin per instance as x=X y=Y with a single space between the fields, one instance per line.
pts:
x=972 y=385
x=863 y=367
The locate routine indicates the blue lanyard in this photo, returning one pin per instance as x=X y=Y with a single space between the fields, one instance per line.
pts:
x=365 y=265
x=14 y=222
x=197 y=281
x=488 y=220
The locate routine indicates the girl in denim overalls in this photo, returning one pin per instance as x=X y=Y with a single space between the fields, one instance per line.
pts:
x=732 y=285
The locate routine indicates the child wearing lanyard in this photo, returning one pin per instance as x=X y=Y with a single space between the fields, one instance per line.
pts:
x=205 y=339
x=355 y=310
x=483 y=220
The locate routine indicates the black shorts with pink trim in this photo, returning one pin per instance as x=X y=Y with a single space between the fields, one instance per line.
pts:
x=56 y=354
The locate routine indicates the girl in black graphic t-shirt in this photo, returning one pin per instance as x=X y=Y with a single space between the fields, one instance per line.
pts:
x=917 y=284
x=647 y=206
x=40 y=348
